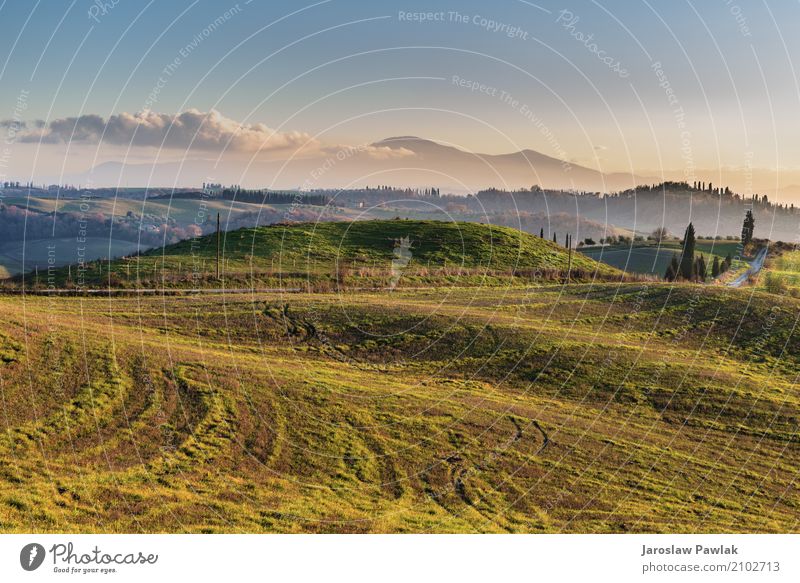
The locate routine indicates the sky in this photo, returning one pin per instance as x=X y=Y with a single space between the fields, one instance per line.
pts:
x=678 y=88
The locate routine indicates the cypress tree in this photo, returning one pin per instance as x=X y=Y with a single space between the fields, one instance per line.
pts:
x=700 y=270
x=748 y=226
x=672 y=269
x=715 y=267
x=726 y=263
x=687 y=268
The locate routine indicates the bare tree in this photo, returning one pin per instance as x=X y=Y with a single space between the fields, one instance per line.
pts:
x=660 y=234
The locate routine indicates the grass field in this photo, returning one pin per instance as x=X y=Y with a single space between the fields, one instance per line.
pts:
x=580 y=408
x=447 y=379
x=643 y=259
x=651 y=258
x=59 y=251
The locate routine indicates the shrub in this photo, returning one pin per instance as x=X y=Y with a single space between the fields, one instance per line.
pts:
x=774 y=283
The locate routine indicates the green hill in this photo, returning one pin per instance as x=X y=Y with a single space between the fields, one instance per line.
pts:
x=364 y=253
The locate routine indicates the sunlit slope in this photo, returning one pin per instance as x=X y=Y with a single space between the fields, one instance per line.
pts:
x=586 y=408
x=392 y=252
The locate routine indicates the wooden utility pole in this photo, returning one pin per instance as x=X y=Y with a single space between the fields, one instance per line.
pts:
x=218 y=243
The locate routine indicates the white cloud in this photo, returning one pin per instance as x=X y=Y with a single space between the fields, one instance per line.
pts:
x=387 y=153
x=191 y=129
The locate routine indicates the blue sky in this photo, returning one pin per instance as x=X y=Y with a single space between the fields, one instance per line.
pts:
x=356 y=72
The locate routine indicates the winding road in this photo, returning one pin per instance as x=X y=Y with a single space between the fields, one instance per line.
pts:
x=754 y=268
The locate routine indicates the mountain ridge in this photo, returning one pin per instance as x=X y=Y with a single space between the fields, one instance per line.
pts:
x=418 y=162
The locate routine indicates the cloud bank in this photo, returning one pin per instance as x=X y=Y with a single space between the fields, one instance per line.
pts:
x=192 y=129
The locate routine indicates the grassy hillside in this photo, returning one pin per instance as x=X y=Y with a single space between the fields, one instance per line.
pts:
x=583 y=408
x=781 y=274
x=378 y=253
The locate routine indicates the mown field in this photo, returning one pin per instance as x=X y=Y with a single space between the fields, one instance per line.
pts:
x=594 y=407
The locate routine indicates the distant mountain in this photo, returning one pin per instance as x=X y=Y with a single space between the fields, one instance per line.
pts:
x=398 y=161
x=514 y=170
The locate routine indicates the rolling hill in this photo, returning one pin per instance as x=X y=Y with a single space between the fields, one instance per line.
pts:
x=375 y=253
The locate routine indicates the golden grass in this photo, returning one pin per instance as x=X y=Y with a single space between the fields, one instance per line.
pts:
x=587 y=408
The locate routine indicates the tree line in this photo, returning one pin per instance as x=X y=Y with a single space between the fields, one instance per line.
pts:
x=273 y=197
